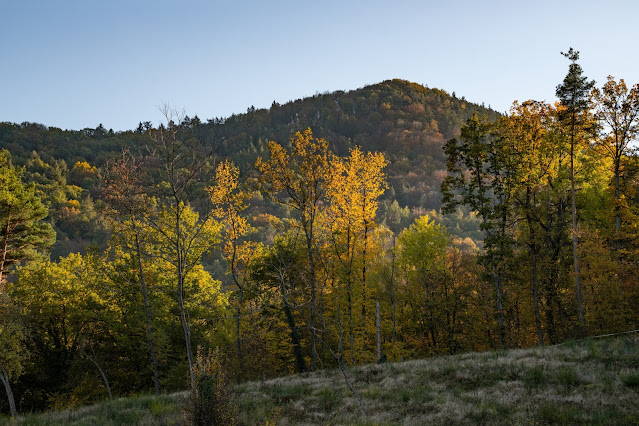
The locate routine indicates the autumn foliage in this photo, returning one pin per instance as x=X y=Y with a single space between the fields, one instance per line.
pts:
x=305 y=259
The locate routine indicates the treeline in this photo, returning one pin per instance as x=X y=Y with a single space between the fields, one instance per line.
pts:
x=315 y=269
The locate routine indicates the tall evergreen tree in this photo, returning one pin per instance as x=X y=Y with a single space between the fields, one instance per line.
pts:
x=573 y=94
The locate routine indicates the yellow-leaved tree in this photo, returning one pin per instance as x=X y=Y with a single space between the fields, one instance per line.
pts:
x=358 y=182
x=229 y=201
x=299 y=180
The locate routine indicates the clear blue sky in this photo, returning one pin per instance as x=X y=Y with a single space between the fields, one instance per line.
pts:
x=75 y=64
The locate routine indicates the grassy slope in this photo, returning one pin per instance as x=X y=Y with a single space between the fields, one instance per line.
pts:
x=594 y=382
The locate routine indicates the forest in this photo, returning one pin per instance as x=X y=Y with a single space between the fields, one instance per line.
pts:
x=388 y=223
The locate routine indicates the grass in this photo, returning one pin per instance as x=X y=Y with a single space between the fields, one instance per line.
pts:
x=140 y=410
x=589 y=382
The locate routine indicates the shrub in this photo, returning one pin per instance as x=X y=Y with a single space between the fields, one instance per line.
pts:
x=212 y=401
x=534 y=378
x=567 y=377
x=631 y=380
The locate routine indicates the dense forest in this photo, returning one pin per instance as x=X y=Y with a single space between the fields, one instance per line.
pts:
x=387 y=223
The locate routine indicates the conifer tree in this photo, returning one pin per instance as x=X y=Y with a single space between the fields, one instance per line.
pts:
x=23 y=234
x=573 y=94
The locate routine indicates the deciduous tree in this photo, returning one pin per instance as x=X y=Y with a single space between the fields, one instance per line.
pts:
x=617 y=109
x=300 y=180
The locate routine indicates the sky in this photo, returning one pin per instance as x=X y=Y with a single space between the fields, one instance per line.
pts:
x=78 y=64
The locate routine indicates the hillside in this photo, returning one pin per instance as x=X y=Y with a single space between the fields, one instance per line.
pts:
x=593 y=381
x=408 y=122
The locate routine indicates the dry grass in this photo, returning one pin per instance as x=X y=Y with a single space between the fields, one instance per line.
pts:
x=593 y=382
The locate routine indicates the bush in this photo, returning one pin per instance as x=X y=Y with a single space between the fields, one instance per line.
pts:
x=631 y=380
x=213 y=401
x=534 y=378
x=567 y=377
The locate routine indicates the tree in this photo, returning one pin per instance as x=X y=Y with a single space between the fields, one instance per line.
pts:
x=617 y=109
x=124 y=194
x=303 y=176
x=526 y=136
x=574 y=116
x=480 y=176
x=23 y=235
x=178 y=165
x=280 y=268
x=64 y=310
x=357 y=184
x=422 y=255
x=229 y=201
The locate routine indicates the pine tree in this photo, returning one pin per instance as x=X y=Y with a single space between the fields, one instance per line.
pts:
x=23 y=235
x=573 y=94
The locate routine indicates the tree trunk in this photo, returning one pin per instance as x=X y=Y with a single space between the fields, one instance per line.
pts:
x=351 y=332
x=147 y=311
x=540 y=335
x=308 y=228
x=500 y=306
x=617 y=195
x=94 y=361
x=238 y=339
x=4 y=377
x=533 y=254
x=364 y=278
x=379 y=331
x=3 y=253
x=180 y=296
x=186 y=330
x=342 y=365
x=295 y=338
x=238 y=313
x=392 y=293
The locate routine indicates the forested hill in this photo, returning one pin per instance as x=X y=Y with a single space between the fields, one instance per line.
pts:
x=406 y=121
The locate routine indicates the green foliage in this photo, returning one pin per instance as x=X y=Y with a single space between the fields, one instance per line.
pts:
x=568 y=377
x=534 y=378
x=23 y=235
x=423 y=245
x=12 y=337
